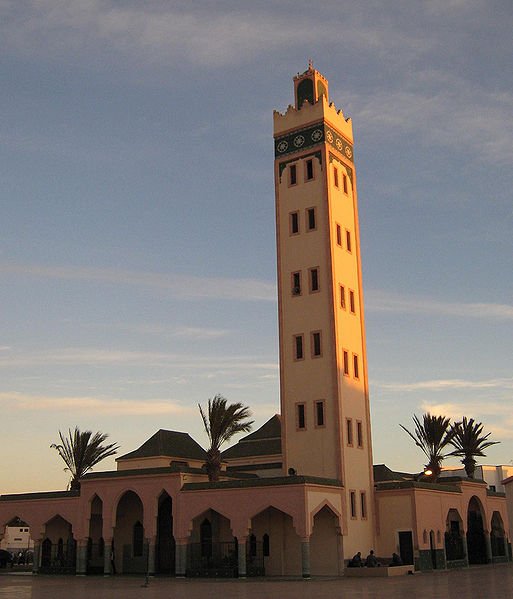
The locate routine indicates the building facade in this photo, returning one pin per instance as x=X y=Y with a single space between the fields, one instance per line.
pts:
x=299 y=496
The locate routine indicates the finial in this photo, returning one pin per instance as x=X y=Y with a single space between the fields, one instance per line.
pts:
x=310 y=64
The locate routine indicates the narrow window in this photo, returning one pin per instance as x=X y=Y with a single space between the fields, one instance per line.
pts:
x=300 y=411
x=310 y=214
x=352 y=495
x=252 y=546
x=359 y=434
x=206 y=538
x=265 y=545
x=342 y=297
x=296 y=283
x=314 y=280
x=319 y=413
x=339 y=236
x=292 y=174
x=349 y=431
x=356 y=369
x=309 y=170
x=348 y=240
x=346 y=363
x=363 y=504
x=335 y=176
x=298 y=347
x=316 y=344
x=352 y=302
x=294 y=223
x=344 y=183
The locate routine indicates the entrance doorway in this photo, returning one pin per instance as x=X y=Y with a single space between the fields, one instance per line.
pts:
x=475 y=533
x=406 y=546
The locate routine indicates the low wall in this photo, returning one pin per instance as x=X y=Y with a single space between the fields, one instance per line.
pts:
x=382 y=571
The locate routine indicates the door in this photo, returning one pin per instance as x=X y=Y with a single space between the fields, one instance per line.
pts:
x=406 y=546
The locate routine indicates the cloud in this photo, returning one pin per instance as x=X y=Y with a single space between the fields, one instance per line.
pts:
x=103 y=406
x=381 y=301
x=186 y=332
x=177 y=286
x=199 y=33
x=107 y=357
x=496 y=416
x=445 y=110
x=448 y=384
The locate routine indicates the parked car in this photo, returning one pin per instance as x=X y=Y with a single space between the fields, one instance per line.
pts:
x=5 y=558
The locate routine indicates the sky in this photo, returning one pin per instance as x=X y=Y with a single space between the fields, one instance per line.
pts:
x=137 y=237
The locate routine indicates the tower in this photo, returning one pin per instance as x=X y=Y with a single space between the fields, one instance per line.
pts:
x=323 y=369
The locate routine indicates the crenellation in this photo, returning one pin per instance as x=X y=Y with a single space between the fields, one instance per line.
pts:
x=293 y=118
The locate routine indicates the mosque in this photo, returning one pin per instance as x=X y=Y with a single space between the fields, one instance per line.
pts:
x=299 y=496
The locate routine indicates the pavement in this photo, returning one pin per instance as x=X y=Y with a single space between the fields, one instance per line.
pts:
x=479 y=582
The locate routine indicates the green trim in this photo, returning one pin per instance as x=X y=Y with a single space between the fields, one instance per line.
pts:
x=42 y=495
x=301 y=139
x=263 y=482
x=410 y=484
x=494 y=493
x=456 y=563
x=424 y=561
x=250 y=467
x=175 y=469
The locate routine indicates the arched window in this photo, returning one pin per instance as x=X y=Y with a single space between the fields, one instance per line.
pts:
x=138 y=539
x=305 y=91
x=101 y=547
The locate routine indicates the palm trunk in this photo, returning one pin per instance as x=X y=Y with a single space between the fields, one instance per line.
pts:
x=470 y=466
x=213 y=464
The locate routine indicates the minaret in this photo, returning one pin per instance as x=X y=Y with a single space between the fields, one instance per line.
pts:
x=323 y=367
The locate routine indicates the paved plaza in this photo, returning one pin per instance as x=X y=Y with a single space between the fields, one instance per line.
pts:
x=474 y=583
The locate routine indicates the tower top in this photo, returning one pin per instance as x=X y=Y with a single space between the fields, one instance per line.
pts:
x=309 y=86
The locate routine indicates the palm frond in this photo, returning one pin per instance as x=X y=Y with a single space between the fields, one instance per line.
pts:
x=81 y=451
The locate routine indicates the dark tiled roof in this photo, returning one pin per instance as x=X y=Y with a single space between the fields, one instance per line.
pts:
x=42 y=495
x=168 y=443
x=382 y=473
x=264 y=441
x=270 y=430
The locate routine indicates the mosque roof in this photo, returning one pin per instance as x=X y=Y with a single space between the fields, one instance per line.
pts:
x=264 y=441
x=168 y=443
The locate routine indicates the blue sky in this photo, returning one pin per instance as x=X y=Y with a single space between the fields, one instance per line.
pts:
x=137 y=246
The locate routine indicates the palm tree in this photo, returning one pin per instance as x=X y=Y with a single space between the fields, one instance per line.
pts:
x=432 y=435
x=81 y=450
x=221 y=422
x=469 y=443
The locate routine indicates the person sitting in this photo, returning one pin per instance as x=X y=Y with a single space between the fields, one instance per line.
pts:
x=396 y=560
x=356 y=561
x=371 y=560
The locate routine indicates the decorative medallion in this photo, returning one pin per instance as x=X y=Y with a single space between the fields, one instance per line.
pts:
x=316 y=135
x=282 y=146
x=309 y=137
x=299 y=141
